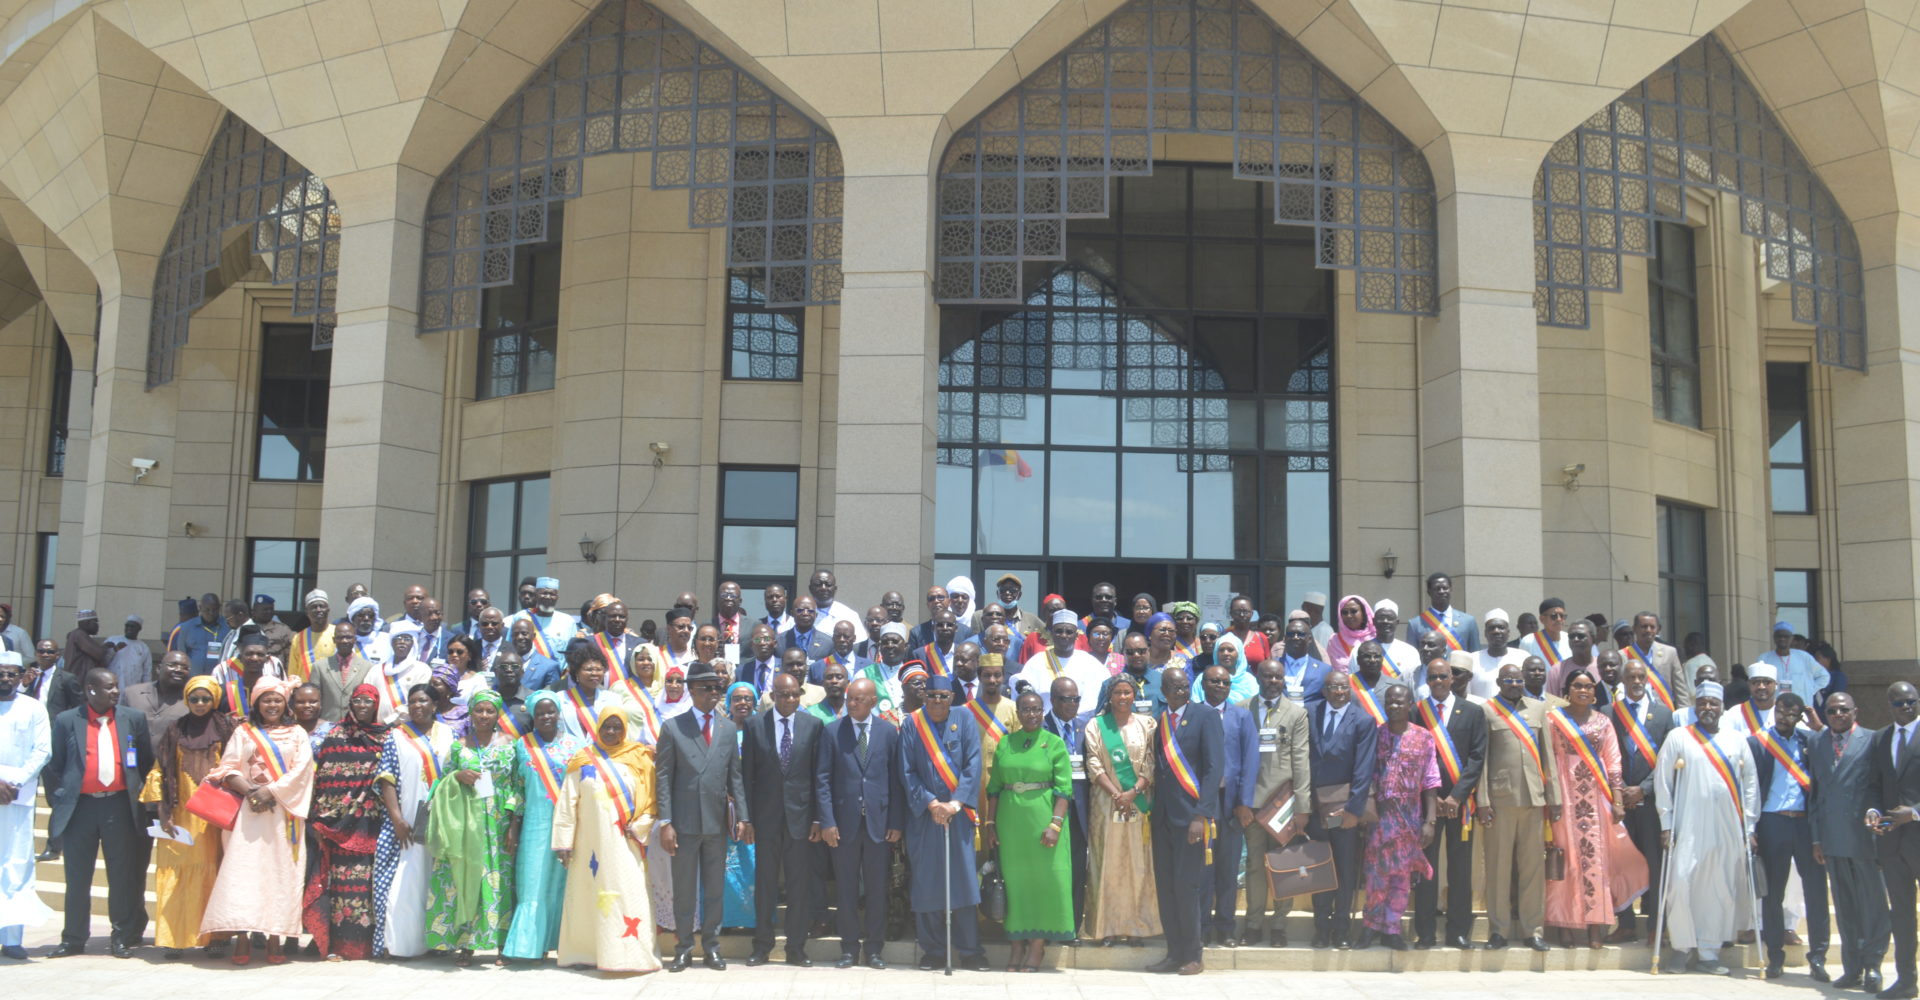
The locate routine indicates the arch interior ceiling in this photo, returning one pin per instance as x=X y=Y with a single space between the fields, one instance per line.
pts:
x=1042 y=154
x=631 y=80
x=1696 y=122
x=245 y=180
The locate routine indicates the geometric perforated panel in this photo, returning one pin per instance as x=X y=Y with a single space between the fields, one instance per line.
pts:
x=1696 y=122
x=245 y=180
x=1043 y=153
x=631 y=80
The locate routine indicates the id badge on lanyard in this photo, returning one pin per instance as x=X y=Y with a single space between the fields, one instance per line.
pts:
x=133 y=757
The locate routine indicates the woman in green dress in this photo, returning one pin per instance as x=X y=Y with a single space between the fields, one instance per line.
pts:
x=471 y=899
x=1026 y=807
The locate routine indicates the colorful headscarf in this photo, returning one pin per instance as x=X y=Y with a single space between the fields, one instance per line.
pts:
x=629 y=752
x=726 y=702
x=1341 y=649
x=1188 y=606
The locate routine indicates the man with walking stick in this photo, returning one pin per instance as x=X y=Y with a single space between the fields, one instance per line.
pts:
x=940 y=767
x=1709 y=800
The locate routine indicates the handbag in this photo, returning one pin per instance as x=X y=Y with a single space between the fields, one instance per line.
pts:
x=1556 y=861
x=993 y=891
x=214 y=804
x=1330 y=799
x=1301 y=869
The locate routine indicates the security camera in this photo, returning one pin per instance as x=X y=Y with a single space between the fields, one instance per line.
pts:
x=1574 y=469
x=659 y=447
x=142 y=466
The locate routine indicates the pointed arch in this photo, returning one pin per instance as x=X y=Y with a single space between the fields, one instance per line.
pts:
x=245 y=180
x=632 y=80
x=1042 y=154
x=1695 y=123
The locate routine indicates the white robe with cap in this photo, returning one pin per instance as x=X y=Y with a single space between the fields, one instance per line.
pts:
x=1710 y=898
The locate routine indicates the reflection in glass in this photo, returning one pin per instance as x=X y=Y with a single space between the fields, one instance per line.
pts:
x=1080 y=521
x=1084 y=420
x=1009 y=515
x=1309 y=517
x=952 y=507
x=1153 y=507
x=758 y=550
x=1223 y=499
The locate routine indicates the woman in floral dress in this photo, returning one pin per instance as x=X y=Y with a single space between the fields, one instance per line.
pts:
x=1406 y=779
x=1588 y=811
x=471 y=899
x=345 y=818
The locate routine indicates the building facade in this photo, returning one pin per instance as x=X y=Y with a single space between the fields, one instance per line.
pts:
x=1604 y=300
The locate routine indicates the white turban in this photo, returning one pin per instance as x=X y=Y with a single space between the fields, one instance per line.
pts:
x=9 y=658
x=962 y=585
x=894 y=628
x=361 y=603
x=1497 y=614
x=1709 y=689
x=1762 y=670
x=1385 y=604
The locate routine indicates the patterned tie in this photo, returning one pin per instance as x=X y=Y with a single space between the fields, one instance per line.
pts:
x=860 y=747
x=786 y=743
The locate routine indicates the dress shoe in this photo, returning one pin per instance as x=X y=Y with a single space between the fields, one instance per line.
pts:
x=756 y=959
x=714 y=961
x=977 y=963
x=14 y=952
x=1340 y=942
x=47 y=855
x=63 y=949
x=1817 y=971
x=1192 y=968
x=1163 y=966
x=797 y=957
x=1365 y=940
x=1870 y=981
x=1538 y=943
x=1214 y=940
x=1322 y=939
x=1776 y=968
x=1624 y=935
x=1496 y=942
x=119 y=949
x=846 y=962
x=1277 y=938
x=1851 y=980
x=1398 y=942
x=1460 y=941
x=1900 y=990
x=928 y=963
x=1230 y=941
x=681 y=959
x=1422 y=944
x=875 y=962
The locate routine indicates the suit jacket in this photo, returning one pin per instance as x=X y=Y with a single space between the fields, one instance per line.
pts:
x=1764 y=764
x=773 y=793
x=1344 y=756
x=335 y=690
x=1464 y=627
x=1634 y=769
x=1841 y=793
x=694 y=779
x=854 y=798
x=1666 y=659
x=63 y=774
x=1511 y=778
x=1078 y=744
x=1241 y=745
x=1202 y=742
x=1316 y=678
x=856 y=662
x=1467 y=724
x=1290 y=759
x=819 y=643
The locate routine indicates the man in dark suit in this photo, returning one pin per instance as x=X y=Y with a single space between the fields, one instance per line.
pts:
x=779 y=753
x=101 y=755
x=1065 y=720
x=1184 y=821
x=696 y=772
x=1342 y=750
x=1785 y=836
x=863 y=812
x=1305 y=676
x=1641 y=725
x=1462 y=726
x=1896 y=790
x=1842 y=775
x=1241 y=744
x=803 y=636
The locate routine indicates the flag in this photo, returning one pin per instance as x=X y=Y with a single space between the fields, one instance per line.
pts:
x=1008 y=457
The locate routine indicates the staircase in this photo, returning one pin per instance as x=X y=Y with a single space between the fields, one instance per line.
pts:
x=50 y=877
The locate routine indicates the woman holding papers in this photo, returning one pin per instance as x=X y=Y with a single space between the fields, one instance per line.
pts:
x=187 y=858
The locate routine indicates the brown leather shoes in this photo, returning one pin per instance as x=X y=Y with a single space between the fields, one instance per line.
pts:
x=1192 y=968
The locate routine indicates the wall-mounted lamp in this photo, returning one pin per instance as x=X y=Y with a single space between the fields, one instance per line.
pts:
x=589 y=549
x=1388 y=563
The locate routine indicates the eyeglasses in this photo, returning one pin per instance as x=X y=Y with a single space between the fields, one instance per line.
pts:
x=1558 y=616
x=200 y=699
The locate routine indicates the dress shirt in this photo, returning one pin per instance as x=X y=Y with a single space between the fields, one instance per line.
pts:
x=90 y=783
x=1332 y=721
x=1785 y=794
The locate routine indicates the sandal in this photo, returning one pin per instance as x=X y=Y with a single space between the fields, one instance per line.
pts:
x=242 y=950
x=274 y=955
x=463 y=958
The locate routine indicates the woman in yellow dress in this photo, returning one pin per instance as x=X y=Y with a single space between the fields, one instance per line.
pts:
x=185 y=752
x=1122 y=903
x=600 y=822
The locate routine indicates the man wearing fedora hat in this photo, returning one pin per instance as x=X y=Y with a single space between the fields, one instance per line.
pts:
x=696 y=774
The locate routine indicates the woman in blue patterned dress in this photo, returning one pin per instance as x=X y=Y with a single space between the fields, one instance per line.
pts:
x=540 y=880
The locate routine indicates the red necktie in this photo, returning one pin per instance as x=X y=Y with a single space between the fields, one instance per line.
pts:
x=706 y=728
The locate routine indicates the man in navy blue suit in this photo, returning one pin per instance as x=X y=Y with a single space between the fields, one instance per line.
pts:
x=1065 y=720
x=1342 y=742
x=1305 y=675
x=1184 y=820
x=1242 y=748
x=859 y=786
x=803 y=636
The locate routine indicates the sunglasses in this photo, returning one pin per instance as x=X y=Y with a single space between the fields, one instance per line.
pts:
x=1904 y=702
x=1066 y=697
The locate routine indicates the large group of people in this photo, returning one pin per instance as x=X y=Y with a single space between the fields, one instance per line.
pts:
x=535 y=784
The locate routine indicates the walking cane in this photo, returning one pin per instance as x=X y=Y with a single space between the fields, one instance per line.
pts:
x=947 y=864
x=1666 y=868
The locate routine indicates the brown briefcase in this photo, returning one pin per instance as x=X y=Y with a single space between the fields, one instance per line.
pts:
x=1302 y=869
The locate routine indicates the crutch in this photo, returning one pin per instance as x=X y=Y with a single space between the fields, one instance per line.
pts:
x=1666 y=868
x=947 y=863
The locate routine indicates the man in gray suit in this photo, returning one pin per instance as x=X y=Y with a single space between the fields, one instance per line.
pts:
x=696 y=773
x=1842 y=764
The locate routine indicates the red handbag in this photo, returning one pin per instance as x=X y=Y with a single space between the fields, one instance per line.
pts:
x=214 y=804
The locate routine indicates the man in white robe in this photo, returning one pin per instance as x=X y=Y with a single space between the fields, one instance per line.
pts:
x=1062 y=660
x=26 y=740
x=1709 y=800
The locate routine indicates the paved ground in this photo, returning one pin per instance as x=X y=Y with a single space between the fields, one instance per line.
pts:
x=148 y=976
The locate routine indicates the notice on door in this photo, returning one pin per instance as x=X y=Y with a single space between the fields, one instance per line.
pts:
x=1215 y=591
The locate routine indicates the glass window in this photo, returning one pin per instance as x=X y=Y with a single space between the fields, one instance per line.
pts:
x=520 y=322
x=759 y=525
x=290 y=443
x=1795 y=600
x=506 y=533
x=1789 y=454
x=62 y=396
x=282 y=568
x=1683 y=570
x=1673 y=320
x=762 y=343
x=48 y=563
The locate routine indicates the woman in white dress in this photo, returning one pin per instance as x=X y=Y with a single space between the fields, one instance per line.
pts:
x=604 y=815
x=410 y=763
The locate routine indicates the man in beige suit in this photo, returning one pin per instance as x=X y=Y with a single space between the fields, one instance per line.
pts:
x=1283 y=729
x=336 y=676
x=1659 y=658
x=1514 y=792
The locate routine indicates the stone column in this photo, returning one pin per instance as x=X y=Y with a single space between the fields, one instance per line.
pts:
x=381 y=498
x=126 y=518
x=1479 y=379
x=882 y=517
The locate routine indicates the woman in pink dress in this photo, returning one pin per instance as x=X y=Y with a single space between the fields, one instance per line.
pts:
x=1406 y=775
x=1587 y=765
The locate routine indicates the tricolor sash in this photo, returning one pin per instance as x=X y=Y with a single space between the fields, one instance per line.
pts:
x=619 y=790
x=1521 y=730
x=422 y=745
x=937 y=755
x=550 y=772
x=988 y=721
x=540 y=643
x=1723 y=767
x=649 y=715
x=588 y=716
x=1449 y=757
x=1187 y=650
x=1548 y=651
x=300 y=656
x=506 y=722
x=1438 y=624
x=616 y=670
x=239 y=702
x=396 y=697
x=1369 y=702
x=1637 y=733
x=1387 y=666
x=1176 y=760
x=1571 y=731
x=935 y=662
x=1781 y=757
x=1752 y=717
x=276 y=766
x=1654 y=680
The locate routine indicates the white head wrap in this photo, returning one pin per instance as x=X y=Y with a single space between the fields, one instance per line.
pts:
x=962 y=585
x=9 y=658
x=894 y=628
x=1709 y=689
x=362 y=603
x=1762 y=670
x=1063 y=615
x=1497 y=614
x=1385 y=604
